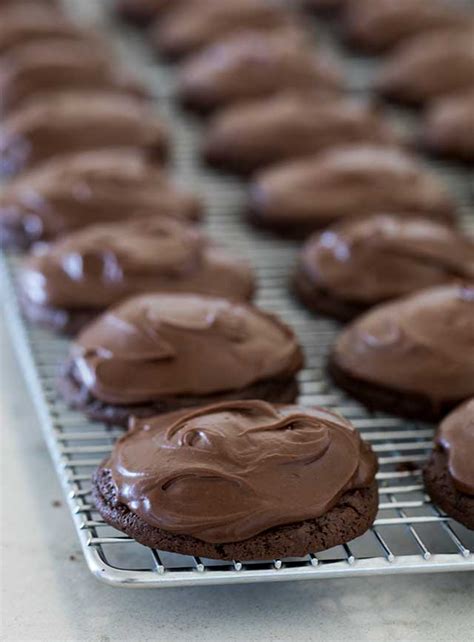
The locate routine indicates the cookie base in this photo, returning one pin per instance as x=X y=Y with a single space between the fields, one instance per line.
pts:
x=80 y=398
x=67 y=322
x=319 y=300
x=443 y=492
x=396 y=402
x=350 y=518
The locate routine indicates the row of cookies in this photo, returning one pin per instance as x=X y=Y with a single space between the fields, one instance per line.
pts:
x=420 y=38
x=165 y=326
x=167 y=351
x=87 y=183
x=434 y=238
x=333 y=161
x=383 y=257
x=429 y=63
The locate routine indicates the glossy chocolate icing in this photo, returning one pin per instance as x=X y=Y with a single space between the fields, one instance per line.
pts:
x=378 y=25
x=456 y=437
x=250 y=65
x=160 y=345
x=449 y=126
x=286 y=126
x=188 y=28
x=421 y=344
x=103 y=264
x=349 y=182
x=229 y=471
x=379 y=258
x=22 y=22
x=76 y=190
x=78 y=121
x=53 y=64
x=428 y=66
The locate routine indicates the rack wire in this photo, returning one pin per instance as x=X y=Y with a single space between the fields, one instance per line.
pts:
x=410 y=534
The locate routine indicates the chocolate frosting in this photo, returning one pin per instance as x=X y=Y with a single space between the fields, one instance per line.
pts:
x=78 y=121
x=22 y=22
x=430 y=65
x=348 y=182
x=449 y=126
x=76 y=190
x=50 y=65
x=289 y=126
x=103 y=264
x=188 y=28
x=229 y=471
x=382 y=257
x=422 y=344
x=456 y=437
x=377 y=25
x=160 y=345
x=250 y=65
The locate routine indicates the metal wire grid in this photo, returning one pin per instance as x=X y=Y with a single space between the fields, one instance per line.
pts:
x=410 y=533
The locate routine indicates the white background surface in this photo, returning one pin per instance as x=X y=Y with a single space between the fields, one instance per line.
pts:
x=48 y=593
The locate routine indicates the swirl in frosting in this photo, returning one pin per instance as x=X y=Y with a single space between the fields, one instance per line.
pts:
x=160 y=345
x=228 y=471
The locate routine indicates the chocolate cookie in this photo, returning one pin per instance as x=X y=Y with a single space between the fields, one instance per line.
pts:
x=429 y=66
x=161 y=352
x=45 y=66
x=75 y=190
x=448 y=129
x=449 y=474
x=41 y=20
x=357 y=264
x=301 y=196
x=96 y=267
x=251 y=65
x=378 y=25
x=78 y=121
x=413 y=357
x=245 y=138
x=240 y=480
x=188 y=28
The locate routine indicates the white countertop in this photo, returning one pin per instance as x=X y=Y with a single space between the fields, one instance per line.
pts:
x=48 y=593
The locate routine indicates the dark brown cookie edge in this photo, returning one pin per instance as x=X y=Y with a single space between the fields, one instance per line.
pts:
x=351 y=517
x=318 y=299
x=443 y=492
x=284 y=390
x=401 y=403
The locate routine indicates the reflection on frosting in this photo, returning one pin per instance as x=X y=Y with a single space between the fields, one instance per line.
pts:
x=91 y=187
x=382 y=257
x=456 y=437
x=160 y=345
x=76 y=121
x=229 y=471
x=103 y=264
x=423 y=343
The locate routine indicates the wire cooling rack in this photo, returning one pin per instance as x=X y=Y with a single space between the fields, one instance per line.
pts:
x=410 y=534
